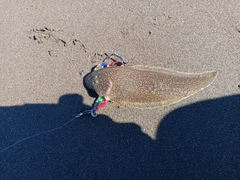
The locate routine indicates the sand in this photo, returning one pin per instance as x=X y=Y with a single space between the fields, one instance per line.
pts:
x=47 y=47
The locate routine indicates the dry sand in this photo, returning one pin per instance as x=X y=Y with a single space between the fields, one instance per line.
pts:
x=47 y=47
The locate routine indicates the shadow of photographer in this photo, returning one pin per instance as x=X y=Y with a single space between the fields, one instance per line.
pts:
x=198 y=141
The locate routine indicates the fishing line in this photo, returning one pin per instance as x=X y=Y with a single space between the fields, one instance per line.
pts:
x=100 y=102
x=38 y=134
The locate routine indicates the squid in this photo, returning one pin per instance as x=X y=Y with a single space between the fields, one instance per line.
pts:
x=146 y=87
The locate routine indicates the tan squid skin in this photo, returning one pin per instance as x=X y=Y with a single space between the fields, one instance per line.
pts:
x=146 y=87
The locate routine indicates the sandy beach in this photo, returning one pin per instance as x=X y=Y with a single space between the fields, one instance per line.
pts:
x=46 y=49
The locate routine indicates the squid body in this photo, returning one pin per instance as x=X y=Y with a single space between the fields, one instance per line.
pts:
x=146 y=87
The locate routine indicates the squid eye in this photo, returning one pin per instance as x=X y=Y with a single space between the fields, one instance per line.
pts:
x=95 y=79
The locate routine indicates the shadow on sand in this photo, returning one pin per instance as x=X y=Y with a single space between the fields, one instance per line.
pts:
x=198 y=141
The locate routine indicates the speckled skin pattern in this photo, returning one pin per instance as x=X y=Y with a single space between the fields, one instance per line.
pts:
x=145 y=87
